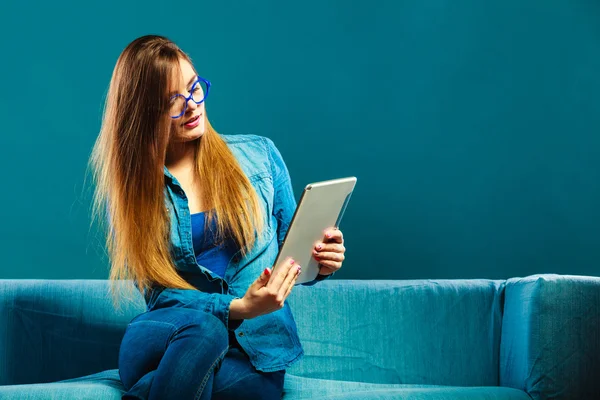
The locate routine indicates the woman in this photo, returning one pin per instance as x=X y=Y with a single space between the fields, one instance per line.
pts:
x=196 y=221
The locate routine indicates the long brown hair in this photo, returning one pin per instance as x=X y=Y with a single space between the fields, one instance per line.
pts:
x=128 y=161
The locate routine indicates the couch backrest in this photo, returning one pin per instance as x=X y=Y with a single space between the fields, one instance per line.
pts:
x=443 y=332
x=59 y=329
x=420 y=332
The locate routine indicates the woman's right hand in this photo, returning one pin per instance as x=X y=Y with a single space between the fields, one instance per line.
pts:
x=268 y=292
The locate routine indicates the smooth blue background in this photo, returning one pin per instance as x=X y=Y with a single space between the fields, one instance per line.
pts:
x=472 y=126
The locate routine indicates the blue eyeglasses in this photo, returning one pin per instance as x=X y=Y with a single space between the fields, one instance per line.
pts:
x=198 y=93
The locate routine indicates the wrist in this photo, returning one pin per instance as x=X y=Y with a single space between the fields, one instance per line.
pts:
x=239 y=310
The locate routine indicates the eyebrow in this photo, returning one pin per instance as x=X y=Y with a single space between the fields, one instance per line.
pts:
x=188 y=84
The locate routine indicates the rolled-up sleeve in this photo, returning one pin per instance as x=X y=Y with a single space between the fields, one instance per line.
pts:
x=214 y=303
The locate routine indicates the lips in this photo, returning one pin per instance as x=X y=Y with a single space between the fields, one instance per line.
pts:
x=191 y=120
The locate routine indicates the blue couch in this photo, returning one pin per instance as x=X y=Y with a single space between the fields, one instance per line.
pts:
x=528 y=338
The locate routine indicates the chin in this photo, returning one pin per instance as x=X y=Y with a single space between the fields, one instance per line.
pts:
x=199 y=132
x=192 y=135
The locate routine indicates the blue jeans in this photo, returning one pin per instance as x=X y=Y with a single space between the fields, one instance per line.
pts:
x=182 y=353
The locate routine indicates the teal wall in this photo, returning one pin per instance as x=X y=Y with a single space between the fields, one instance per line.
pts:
x=472 y=126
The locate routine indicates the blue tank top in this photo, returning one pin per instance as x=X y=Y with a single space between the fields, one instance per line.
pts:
x=210 y=254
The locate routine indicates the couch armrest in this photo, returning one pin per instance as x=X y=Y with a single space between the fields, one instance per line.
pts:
x=550 y=344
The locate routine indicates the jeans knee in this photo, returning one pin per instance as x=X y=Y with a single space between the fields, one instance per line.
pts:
x=203 y=326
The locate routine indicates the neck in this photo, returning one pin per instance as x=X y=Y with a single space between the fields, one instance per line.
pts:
x=180 y=155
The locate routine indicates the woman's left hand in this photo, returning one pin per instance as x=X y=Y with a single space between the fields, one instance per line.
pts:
x=330 y=252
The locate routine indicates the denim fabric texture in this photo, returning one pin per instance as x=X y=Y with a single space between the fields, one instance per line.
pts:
x=197 y=344
x=182 y=321
x=271 y=340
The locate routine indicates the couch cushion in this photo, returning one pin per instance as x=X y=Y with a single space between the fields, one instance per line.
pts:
x=430 y=332
x=104 y=385
x=107 y=385
x=297 y=388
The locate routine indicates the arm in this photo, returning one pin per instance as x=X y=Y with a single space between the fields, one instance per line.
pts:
x=223 y=306
x=284 y=203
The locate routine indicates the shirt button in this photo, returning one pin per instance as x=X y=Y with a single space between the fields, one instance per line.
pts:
x=241 y=334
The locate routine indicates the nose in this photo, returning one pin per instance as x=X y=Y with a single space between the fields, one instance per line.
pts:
x=191 y=105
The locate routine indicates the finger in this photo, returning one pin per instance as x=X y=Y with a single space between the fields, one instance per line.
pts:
x=324 y=270
x=263 y=278
x=331 y=247
x=292 y=285
x=293 y=273
x=329 y=267
x=329 y=256
x=333 y=235
x=280 y=274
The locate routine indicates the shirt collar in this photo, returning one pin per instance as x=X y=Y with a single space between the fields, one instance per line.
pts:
x=167 y=173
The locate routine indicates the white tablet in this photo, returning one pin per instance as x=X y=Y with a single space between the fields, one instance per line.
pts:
x=321 y=206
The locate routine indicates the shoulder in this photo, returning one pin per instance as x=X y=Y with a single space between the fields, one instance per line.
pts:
x=259 y=149
x=253 y=152
x=248 y=140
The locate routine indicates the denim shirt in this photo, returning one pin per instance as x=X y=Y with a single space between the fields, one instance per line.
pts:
x=271 y=341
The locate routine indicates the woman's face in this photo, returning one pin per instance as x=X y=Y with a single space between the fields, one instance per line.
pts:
x=192 y=124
